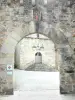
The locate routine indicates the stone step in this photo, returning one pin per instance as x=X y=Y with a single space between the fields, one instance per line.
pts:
x=40 y=67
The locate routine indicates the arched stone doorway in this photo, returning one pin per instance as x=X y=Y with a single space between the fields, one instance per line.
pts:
x=8 y=59
x=38 y=58
x=29 y=46
x=15 y=27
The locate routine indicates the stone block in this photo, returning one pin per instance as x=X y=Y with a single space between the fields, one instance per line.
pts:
x=3 y=79
x=15 y=36
x=28 y=15
x=73 y=40
x=21 y=10
x=31 y=27
x=6 y=55
x=68 y=79
x=9 y=45
x=6 y=81
x=66 y=89
x=2 y=68
x=5 y=91
x=3 y=36
x=74 y=88
x=7 y=60
x=8 y=91
x=21 y=2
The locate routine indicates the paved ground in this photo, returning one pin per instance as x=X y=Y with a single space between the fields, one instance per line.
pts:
x=29 y=80
x=36 y=86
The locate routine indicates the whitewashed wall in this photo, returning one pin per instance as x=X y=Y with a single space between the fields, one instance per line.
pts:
x=27 y=53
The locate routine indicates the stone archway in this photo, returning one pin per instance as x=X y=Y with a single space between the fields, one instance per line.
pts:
x=7 y=58
x=12 y=29
x=26 y=57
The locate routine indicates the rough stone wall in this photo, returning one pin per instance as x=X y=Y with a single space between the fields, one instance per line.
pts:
x=12 y=30
x=16 y=21
x=67 y=68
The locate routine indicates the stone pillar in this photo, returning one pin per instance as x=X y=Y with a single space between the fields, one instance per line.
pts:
x=7 y=66
x=6 y=76
x=67 y=70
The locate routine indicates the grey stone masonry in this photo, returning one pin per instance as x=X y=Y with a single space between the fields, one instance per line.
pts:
x=67 y=71
x=57 y=23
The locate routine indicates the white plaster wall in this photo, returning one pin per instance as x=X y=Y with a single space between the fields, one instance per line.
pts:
x=27 y=53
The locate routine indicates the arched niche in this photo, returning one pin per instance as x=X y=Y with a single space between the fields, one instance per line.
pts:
x=46 y=46
x=38 y=57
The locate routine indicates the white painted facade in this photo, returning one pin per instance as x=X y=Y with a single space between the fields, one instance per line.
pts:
x=27 y=52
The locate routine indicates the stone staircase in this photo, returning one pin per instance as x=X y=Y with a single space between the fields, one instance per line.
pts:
x=40 y=67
